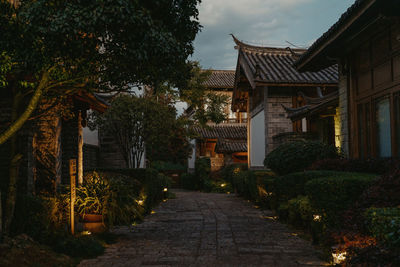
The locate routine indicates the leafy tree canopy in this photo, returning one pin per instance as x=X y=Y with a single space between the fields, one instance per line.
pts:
x=121 y=41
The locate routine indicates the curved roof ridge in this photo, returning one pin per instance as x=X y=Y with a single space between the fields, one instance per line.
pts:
x=267 y=49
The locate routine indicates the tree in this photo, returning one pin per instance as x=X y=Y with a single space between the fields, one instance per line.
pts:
x=96 y=44
x=147 y=122
x=56 y=47
x=206 y=105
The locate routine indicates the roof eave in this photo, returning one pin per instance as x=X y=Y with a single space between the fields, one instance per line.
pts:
x=316 y=54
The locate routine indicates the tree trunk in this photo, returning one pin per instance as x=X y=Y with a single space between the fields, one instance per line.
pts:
x=19 y=122
x=15 y=160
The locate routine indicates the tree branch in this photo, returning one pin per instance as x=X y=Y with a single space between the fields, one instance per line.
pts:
x=28 y=111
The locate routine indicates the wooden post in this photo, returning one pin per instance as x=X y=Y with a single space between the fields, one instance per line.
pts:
x=72 y=172
x=80 y=149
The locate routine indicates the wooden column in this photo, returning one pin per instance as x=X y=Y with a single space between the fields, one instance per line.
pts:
x=80 y=149
x=248 y=131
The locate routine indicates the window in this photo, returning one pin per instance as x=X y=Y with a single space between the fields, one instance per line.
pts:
x=397 y=121
x=383 y=137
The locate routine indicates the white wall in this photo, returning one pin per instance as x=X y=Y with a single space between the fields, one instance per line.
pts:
x=257 y=140
x=192 y=157
x=90 y=137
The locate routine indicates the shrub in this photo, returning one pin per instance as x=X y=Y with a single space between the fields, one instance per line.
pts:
x=283 y=211
x=298 y=156
x=152 y=183
x=202 y=168
x=78 y=246
x=167 y=166
x=377 y=166
x=300 y=211
x=228 y=171
x=334 y=194
x=245 y=184
x=292 y=185
x=384 y=224
x=190 y=181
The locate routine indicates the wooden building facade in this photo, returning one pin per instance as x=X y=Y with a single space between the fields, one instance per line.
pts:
x=366 y=44
x=267 y=85
x=47 y=141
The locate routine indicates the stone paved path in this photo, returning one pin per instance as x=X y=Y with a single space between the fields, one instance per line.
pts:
x=199 y=229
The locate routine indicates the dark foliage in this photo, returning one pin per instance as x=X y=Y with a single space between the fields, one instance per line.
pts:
x=377 y=166
x=292 y=185
x=297 y=156
x=373 y=256
x=384 y=224
x=333 y=195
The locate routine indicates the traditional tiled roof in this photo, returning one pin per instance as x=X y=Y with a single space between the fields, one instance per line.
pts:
x=231 y=146
x=221 y=79
x=313 y=106
x=222 y=131
x=271 y=65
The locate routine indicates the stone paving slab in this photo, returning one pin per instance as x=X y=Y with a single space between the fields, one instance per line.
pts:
x=200 y=229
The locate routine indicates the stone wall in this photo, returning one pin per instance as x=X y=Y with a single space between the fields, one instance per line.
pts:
x=276 y=121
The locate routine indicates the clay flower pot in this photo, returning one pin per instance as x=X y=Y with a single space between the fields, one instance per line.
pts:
x=93 y=223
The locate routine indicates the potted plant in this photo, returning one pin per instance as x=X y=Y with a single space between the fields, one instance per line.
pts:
x=91 y=199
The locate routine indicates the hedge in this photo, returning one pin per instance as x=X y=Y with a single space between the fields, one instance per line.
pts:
x=334 y=194
x=384 y=224
x=292 y=185
x=298 y=156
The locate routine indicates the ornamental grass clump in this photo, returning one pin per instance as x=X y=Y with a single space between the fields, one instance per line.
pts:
x=299 y=155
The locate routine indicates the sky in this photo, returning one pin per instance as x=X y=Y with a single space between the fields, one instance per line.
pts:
x=260 y=22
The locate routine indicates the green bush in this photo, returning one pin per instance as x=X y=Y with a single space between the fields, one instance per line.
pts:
x=167 y=166
x=298 y=156
x=384 y=224
x=283 y=211
x=300 y=211
x=189 y=181
x=292 y=185
x=78 y=246
x=228 y=171
x=152 y=184
x=111 y=194
x=202 y=168
x=332 y=195
x=245 y=184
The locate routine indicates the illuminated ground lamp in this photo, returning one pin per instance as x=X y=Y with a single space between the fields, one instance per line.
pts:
x=165 y=190
x=140 y=202
x=223 y=185
x=317 y=218
x=339 y=257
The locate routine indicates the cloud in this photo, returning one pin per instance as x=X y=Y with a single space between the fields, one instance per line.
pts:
x=264 y=22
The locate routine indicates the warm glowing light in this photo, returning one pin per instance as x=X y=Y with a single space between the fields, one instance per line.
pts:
x=140 y=202
x=223 y=185
x=339 y=257
x=317 y=218
x=165 y=189
x=86 y=233
x=294 y=234
x=228 y=193
x=152 y=212
x=270 y=217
